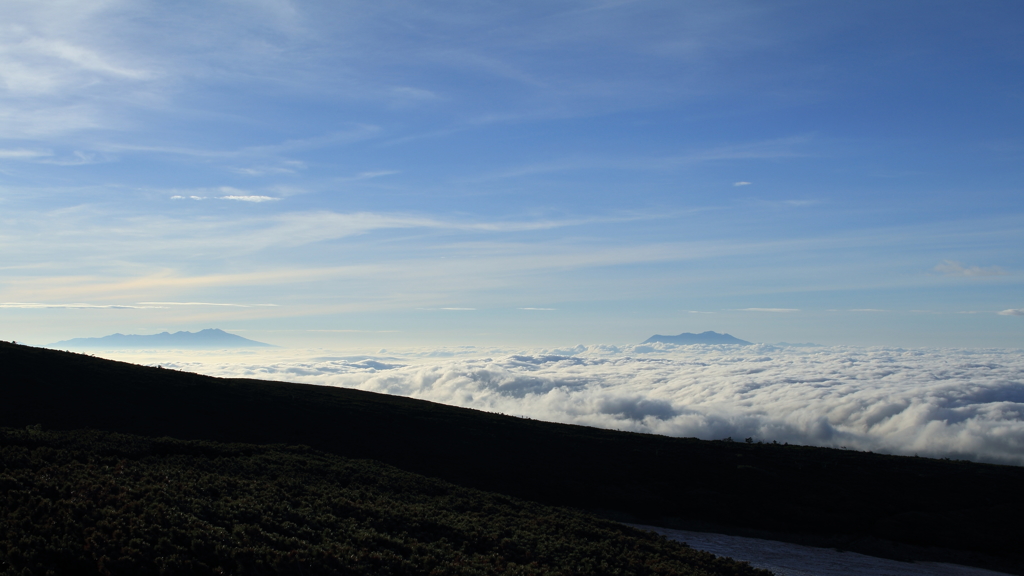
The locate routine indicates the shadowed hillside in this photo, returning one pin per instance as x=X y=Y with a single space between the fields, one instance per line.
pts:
x=95 y=502
x=884 y=505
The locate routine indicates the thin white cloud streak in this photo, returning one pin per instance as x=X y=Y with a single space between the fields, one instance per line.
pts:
x=262 y=170
x=93 y=251
x=23 y=154
x=769 y=149
x=206 y=304
x=80 y=57
x=1012 y=312
x=81 y=228
x=955 y=403
x=489 y=266
x=41 y=306
x=79 y=252
x=369 y=175
x=229 y=192
x=356 y=133
x=953 y=268
x=249 y=198
x=349 y=331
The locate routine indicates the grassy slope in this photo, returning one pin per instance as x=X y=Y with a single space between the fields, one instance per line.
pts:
x=879 y=504
x=96 y=502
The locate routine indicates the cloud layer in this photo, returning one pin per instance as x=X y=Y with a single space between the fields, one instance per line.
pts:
x=964 y=404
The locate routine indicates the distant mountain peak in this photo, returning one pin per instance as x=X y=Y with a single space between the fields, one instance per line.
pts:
x=708 y=337
x=209 y=338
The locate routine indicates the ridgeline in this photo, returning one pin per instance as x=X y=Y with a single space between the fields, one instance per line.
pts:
x=898 y=507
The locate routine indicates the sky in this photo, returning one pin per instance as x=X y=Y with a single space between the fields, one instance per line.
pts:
x=336 y=173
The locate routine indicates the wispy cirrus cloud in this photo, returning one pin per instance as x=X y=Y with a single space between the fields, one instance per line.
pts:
x=1012 y=312
x=36 y=156
x=954 y=268
x=455 y=257
x=370 y=175
x=58 y=75
x=164 y=304
x=77 y=306
x=230 y=193
x=248 y=198
x=769 y=149
x=355 y=133
x=77 y=56
x=262 y=170
x=788 y=147
x=23 y=154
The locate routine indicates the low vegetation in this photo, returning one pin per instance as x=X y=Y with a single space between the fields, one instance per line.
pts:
x=95 y=502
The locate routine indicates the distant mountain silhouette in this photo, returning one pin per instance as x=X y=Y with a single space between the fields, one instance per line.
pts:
x=708 y=337
x=210 y=338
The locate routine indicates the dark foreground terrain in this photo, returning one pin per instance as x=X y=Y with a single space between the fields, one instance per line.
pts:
x=901 y=507
x=97 y=502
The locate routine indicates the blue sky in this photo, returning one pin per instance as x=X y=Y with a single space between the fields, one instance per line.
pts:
x=395 y=173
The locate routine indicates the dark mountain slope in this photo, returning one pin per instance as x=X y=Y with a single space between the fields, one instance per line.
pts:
x=885 y=505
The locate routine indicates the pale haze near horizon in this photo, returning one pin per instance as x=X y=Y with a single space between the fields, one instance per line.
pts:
x=337 y=174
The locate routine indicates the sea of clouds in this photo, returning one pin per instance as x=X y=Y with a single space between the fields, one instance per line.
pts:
x=948 y=403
